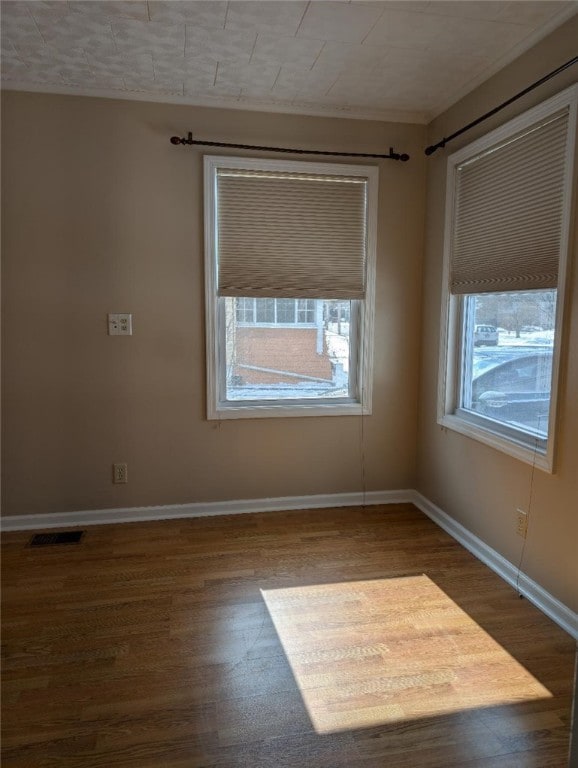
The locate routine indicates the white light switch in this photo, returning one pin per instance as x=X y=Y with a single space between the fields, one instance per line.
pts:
x=120 y=324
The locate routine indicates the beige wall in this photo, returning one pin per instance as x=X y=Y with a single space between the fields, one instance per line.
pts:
x=102 y=214
x=479 y=486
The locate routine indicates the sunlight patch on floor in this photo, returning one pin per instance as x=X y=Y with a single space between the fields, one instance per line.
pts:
x=367 y=653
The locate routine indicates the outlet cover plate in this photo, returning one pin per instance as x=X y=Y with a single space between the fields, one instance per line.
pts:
x=521 y=523
x=119 y=473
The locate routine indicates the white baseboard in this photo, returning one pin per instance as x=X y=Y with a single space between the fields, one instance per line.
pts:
x=543 y=600
x=201 y=509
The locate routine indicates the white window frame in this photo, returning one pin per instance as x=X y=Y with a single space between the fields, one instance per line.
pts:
x=516 y=443
x=362 y=332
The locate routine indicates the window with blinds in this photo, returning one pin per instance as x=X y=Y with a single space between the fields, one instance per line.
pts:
x=290 y=269
x=506 y=255
x=291 y=235
x=508 y=212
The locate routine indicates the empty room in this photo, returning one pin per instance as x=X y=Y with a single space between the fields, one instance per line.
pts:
x=289 y=384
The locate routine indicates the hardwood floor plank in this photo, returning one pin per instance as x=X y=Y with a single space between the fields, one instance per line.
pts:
x=445 y=741
x=233 y=642
x=538 y=758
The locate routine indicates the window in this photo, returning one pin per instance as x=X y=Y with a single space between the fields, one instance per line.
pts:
x=275 y=311
x=290 y=271
x=305 y=311
x=506 y=373
x=506 y=243
x=245 y=310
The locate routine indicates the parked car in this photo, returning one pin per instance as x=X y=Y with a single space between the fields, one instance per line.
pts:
x=485 y=334
x=517 y=391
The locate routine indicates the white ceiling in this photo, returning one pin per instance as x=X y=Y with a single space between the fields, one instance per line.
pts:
x=384 y=60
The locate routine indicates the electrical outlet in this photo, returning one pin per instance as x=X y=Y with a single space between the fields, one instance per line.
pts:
x=119 y=473
x=120 y=324
x=521 y=523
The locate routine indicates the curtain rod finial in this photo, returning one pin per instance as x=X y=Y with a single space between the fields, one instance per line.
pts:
x=434 y=147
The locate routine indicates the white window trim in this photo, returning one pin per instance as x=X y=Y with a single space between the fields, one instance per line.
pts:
x=362 y=356
x=478 y=428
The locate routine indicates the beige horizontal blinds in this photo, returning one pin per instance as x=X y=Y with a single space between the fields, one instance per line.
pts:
x=508 y=213
x=290 y=235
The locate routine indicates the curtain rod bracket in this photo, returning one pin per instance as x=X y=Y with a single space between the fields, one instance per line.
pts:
x=182 y=140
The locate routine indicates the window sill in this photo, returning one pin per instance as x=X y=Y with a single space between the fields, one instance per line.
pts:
x=520 y=450
x=283 y=410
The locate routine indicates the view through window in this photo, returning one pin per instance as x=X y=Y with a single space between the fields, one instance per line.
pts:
x=288 y=349
x=507 y=357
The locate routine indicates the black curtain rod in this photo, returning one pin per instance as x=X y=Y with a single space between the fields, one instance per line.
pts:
x=189 y=140
x=430 y=150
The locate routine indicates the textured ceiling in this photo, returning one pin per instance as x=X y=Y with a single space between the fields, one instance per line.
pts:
x=390 y=60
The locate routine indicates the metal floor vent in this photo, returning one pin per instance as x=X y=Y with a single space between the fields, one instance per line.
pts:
x=50 y=539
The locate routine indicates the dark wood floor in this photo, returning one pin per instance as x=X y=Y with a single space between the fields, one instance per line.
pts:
x=152 y=645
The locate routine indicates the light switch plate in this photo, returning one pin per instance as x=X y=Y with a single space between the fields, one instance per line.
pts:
x=120 y=324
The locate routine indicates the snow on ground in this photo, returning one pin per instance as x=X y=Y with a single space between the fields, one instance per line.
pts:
x=527 y=338
x=338 y=347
